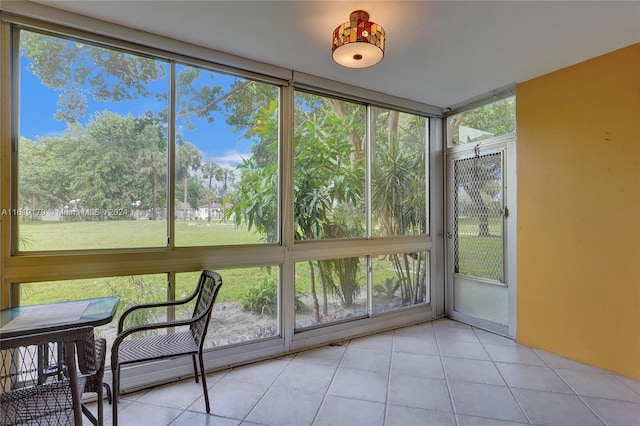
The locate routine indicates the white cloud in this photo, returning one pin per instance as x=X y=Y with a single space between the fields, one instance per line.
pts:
x=229 y=159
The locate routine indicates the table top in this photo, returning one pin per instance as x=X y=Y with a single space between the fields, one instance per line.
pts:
x=31 y=319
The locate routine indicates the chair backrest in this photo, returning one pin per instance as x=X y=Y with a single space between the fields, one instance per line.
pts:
x=208 y=286
x=39 y=383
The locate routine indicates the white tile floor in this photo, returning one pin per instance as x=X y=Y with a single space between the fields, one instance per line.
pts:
x=438 y=373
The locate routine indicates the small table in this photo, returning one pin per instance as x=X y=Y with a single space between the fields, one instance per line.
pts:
x=24 y=320
x=32 y=319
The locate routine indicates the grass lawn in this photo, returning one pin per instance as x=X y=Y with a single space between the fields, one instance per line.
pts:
x=36 y=236
x=480 y=256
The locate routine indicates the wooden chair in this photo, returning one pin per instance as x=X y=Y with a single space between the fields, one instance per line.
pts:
x=131 y=350
x=37 y=387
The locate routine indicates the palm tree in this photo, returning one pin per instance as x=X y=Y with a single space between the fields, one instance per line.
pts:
x=398 y=196
x=227 y=177
x=210 y=171
x=153 y=162
x=188 y=157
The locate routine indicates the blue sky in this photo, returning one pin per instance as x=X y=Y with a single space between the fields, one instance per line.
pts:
x=216 y=141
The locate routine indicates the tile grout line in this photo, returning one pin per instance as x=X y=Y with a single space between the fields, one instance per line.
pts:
x=253 y=407
x=493 y=362
x=592 y=411
x=326 y=392
x=596 y=370
x=446 y=378
x=386 y=400
x=619 y=378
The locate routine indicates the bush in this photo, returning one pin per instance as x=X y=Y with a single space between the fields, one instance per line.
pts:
x=262 y=298
x=388 y=288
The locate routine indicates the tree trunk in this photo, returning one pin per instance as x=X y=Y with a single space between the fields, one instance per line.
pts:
x=154 y=202
x=323 y=281
x=184 y=205
x=483 y=226
x=454 y=124
x=418 y=282
x=392 y=130
x=482 y=210
x=209 y=200
x=314 y=296
x=407 y=278
x=33 y=209
x=337 y=107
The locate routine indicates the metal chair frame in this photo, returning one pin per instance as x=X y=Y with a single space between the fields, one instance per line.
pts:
x=170 y=345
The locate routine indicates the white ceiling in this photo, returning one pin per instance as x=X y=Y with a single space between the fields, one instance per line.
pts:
x=437 y=52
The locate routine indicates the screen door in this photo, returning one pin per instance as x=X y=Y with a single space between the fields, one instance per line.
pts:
x=477 y=243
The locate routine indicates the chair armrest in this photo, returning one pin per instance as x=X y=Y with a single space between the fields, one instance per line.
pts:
x=152 y=305
x=156 y=325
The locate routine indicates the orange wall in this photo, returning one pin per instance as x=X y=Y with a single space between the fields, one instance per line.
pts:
x=579 y=212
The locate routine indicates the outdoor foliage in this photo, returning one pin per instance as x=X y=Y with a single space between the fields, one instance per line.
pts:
x=138 y=290
x=399 y=196
x=388 y=288
x=494 y=119
x=120 y=161
x=262 y=298
x=111 y=161
x=76 y=69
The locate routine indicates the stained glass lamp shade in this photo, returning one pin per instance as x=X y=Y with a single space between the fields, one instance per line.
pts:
x=358 y=43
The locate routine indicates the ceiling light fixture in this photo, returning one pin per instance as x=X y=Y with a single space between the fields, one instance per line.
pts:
x=358 y=43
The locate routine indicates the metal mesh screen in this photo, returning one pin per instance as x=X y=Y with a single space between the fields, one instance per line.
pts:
x=478 y=210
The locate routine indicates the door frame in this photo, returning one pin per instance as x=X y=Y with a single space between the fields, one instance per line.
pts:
x=507 y=144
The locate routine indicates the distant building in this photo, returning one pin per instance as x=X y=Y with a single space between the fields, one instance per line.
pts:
x=215 y=209
x=185 y=212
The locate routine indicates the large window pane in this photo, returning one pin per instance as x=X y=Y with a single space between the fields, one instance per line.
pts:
x=493 y=119
x=330 y=290
x=329 y=168
x=226 y=159
x=246 y=308
x=398 y=182
x=92 y=153
x=400 y=280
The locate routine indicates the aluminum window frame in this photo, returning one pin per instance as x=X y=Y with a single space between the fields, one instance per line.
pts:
x=32 y=267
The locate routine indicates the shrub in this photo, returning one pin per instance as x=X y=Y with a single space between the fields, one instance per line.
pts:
x=388 y=288
x=262 y=298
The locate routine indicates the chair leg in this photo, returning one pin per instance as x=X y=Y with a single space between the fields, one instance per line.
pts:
x=204 y=383
x=115 y=372
x=195 y=368
x=100 y=406
x=107 y=389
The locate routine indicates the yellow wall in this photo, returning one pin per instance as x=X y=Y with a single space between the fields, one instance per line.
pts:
x=579 y=212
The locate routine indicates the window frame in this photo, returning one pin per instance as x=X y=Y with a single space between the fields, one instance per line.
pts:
x=34 y=267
